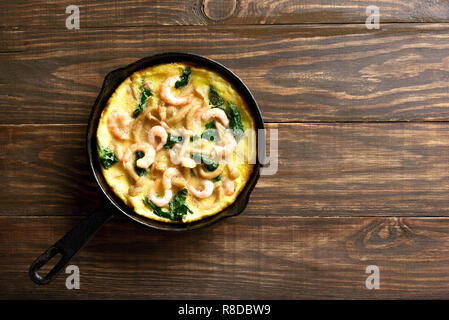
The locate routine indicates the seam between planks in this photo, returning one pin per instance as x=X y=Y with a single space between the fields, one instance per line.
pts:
x=362 y=23
x=218 y=25
x=254 y=216
x=266 y=122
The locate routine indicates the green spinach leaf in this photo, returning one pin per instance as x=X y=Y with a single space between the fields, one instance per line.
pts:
x=211 y=133
x=208 y=163
x=145 y=94
x=177 y=208
x=216 y=179
x=184 y=79
x=215 y=98
x=177 y=205
x=171 y=141
x=235 y=121
x=194 y=138
x=140 y=171
x=107 y=157
x=211 y=125
x=157 y=210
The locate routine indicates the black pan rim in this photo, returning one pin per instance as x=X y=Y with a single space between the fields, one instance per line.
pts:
x=111 y=82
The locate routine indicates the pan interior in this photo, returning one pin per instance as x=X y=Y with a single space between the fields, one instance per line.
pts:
x=112 y=81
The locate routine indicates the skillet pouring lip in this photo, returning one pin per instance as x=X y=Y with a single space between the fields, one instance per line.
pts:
x=114 y=78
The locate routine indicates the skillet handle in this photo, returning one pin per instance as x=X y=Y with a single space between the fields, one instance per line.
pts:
x=71 y=243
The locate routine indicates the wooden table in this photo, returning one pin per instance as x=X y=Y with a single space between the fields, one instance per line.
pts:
x=363 y=173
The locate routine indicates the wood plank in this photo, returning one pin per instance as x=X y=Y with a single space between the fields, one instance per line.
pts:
x=239 y=258
x=351 y=169
x=101 y=13
x=309 y=73
x=45 y=170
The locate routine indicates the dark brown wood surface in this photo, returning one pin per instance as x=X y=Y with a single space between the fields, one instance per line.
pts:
x=100 y=13
x=297 y=73
x=327 y=169
x=261 y=257
x=363 y=122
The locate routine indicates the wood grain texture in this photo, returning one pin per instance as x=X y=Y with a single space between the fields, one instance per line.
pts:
x=363 y=123
x=374 y=169
x=239 y=258
x=45 y=14
x=308 y=73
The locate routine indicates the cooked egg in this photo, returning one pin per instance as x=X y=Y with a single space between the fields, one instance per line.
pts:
x=170 y=142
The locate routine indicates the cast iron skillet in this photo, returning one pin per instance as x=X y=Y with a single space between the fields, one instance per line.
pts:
x=73 y=241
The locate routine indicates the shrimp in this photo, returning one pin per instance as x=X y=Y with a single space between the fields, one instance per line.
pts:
x=167 y=95
x=234 y=173
x=157 y=131
x=228 y=187
x=161 y=202
x=217 y=114
x=180 y=154
x=168 y=175
x=146 y=148
x=208 y=188
x=118 y=124
x=228 y=144
x=219 y=193
x=188 y=162
x=227 y=139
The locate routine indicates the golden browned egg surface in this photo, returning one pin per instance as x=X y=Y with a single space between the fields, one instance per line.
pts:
x=176 y=142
